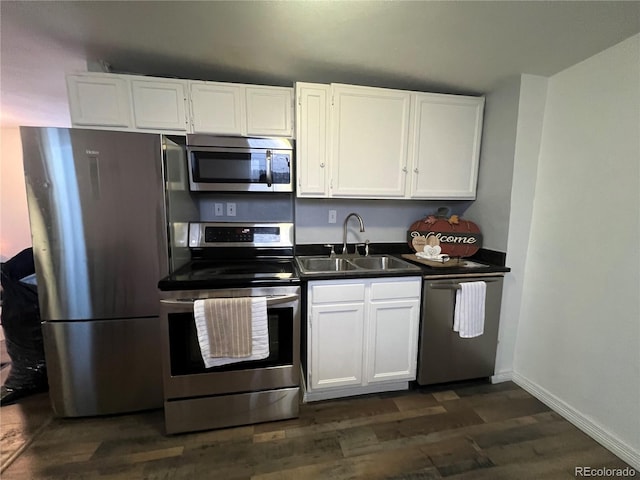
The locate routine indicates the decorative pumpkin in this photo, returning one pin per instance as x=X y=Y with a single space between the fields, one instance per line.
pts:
x=453 y=236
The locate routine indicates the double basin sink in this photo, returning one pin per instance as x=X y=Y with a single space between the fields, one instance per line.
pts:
x=353 y=265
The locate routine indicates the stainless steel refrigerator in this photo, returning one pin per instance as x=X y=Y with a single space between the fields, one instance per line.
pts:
x=97 y=219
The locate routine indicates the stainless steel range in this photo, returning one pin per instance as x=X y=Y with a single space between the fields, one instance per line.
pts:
x=231 y=260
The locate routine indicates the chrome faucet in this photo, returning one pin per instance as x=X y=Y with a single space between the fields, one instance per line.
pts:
x=344 y=230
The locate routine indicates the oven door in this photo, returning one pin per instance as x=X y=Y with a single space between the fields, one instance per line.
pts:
x=239 y=169
x=184 y=373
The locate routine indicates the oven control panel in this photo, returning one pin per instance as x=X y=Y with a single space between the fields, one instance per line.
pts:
x=241 y=235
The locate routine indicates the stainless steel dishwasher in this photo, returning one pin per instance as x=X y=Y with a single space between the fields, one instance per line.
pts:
x=443 y=355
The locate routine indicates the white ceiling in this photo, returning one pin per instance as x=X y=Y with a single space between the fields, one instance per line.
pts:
x=442 y=46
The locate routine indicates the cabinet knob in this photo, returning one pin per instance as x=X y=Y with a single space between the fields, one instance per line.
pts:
x=404 y=169
x=321 y=164
x=416 y=170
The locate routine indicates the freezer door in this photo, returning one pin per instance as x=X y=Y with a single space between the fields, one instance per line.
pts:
x=97 y=221
x=103 y=367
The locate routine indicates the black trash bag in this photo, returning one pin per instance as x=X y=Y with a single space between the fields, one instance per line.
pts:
x=22 y=330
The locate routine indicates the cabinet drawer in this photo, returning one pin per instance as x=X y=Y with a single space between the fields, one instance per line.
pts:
x=337 y=293
x=395 y=290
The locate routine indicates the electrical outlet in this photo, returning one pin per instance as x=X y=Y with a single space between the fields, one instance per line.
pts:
x=218 y=210
x=231 y=209
x=332 y=216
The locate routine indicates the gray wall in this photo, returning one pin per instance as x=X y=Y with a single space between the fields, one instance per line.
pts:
x=578 y=333
x=490 y=211
x=384 y=220
x=249 y=207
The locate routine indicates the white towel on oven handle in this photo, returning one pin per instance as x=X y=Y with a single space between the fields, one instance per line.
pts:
x=259 y=334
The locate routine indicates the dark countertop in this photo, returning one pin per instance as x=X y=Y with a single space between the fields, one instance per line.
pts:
x=492 y=261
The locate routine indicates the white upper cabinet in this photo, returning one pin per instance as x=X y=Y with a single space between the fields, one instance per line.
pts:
x=383 y=143
x=312 y=147
x=159 y=104
x=217 y=108
x=128 y=102
x=269 y=111
x=445 y=146
x=97 y=100
x=236 y=109
x=167 y=105
x=369 y=132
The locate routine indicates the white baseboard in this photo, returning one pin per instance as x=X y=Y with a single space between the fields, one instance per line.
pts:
x=502 y=377
x=595 y=431
x=332 y=393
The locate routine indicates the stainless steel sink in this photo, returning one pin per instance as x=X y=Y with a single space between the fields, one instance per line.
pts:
x=323 y=264
x=370 y=264
x=379 y=263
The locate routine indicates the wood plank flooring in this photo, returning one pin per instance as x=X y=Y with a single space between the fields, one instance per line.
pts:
x=465 y=431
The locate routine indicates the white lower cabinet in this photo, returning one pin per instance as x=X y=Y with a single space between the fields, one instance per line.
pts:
x=362 y=335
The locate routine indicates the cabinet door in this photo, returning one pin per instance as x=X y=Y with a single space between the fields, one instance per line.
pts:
x=269 y=111
x=312 y=117
x=369 y=135
x=445 y=146
x=217 y=108
x=393 y=340
x=159 y=105
x=99 y=100
x=336 y=340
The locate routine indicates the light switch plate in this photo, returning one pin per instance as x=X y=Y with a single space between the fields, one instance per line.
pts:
x=332 y=216
x=218 y=209
x=231 y=209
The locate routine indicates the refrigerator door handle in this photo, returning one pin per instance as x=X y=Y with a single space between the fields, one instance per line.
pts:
x=94 y=175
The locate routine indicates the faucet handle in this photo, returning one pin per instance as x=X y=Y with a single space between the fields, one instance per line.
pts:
x=333 y=252
x=366 y=248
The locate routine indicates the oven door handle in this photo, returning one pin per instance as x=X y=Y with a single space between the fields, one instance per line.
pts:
x=274 y=300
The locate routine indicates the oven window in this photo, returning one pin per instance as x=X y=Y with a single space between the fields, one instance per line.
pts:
x=186 y=358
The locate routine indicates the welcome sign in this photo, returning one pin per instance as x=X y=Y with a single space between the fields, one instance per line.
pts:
x=454 y=236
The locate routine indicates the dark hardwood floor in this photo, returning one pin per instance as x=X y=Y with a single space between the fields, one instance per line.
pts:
x=466 y=431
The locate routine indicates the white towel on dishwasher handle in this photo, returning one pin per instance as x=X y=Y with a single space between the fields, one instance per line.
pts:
x=259 y=334
x=468 y=316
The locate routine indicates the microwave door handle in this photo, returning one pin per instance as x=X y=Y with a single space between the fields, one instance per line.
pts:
x=269 y=171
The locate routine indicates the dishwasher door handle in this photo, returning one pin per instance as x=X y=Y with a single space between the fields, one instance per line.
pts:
x=456 y=286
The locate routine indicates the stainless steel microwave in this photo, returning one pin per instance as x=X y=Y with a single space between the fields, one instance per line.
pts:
x=240 y=164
